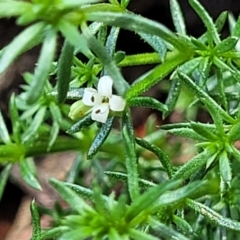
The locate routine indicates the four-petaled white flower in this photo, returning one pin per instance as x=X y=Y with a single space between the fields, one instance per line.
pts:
x=102 y=100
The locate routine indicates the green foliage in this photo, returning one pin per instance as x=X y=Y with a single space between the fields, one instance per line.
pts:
x=158 y=195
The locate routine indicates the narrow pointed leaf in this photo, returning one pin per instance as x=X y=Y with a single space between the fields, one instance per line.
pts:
x=4 y=177
x=182 y=224
x=13 y=8
x=21 y=43
x=134 y=23
x=156 y=43
x=28 y=173
x=187 y=132
x=236 y=29
x=213 y=216
x=64 y=71
x=219 y=23
x=31 y=132
x=207 y=20
x=144 y=184
x=137 y=234
x=173 y=95
x=15 y=119
x=112 y=40
x=163 y=157
x=234 y=133
x=100 y=138
x=227 y=44
x=203 y=131
x=225 y=168
x=146 y=200
x=130 y=156
x=204 y=97
x=85 y=122
x=73 y=36
x=165 y=231
x=194 y=164
x=4 y=135
x=110 y=67
x=148 y=102
x=36 y=232
x=177 y=17
x=70 y=196
x=43 y=67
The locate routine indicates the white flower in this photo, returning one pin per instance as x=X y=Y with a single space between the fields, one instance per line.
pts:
x=102 y=100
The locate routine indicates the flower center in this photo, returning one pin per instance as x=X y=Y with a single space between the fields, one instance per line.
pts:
x=105 y=100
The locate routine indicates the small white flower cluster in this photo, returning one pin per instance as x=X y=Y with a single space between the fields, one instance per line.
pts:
x=102 y=101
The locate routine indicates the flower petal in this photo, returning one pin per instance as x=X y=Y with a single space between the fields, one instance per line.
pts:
x=91 y=97
x=105 y=86
x=117 y=103
x=100 y=113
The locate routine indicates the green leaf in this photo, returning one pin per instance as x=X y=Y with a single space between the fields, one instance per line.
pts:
x=236 y=29
x=222 y=65
x=137 y=234
x=176 y=196
x=194 y=164
x=53 y=233
x=84 y=192
x=36 y=232
x=144 y=184
x=213 y=216
x=4 y=135
x=156 y=43
x=110 y=67
x=173 y=95
x=186 y=132
x=73 y=173
x=130 y=156
x=155 y=75
x=4 y=177
x=165 y=231
x=203 y=131
x=85 y=122
x=225 y=168
x=177 y=16
x=204 y=97
x=148 y=102
x=112 y=40
x=31 y=131
x=146 y=200
x=204 y=69
x=72 y=35
x=43 y=67
x=100 y=138
x=73 y=93
x=182 y=224
x=28 y=173
x=124 y=3
x=15 y=119
x=27 y=39
x=219 y=23
x=234 y=133
x=226 y=45
x=64 y=71
x=70 y=196
x=207 y=20
x=163 y=157
x=13 y=8
x=134 y=23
